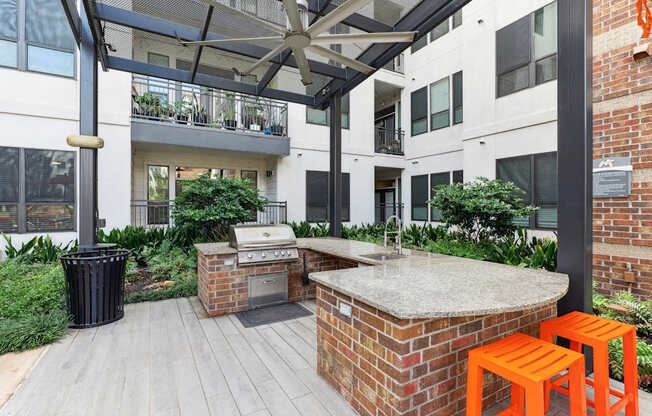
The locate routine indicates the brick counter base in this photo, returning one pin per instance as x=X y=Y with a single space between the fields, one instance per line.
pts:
x=385 y=366
x=224 y=288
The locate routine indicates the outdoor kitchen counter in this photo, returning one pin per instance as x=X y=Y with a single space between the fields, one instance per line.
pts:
x=426 y=285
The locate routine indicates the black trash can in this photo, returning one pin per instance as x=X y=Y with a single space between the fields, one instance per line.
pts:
x=95 y=286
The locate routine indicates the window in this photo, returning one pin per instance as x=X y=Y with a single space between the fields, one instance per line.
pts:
x=41 y=198
x=419 y=110
x=252 y=176
x=457 y=19
x=419 y=44
x=45 y=42
x=458 y=176
x=8 y=34
x=419 y=195
x=537 y=176
x=458 y=98
x=439 y=31
x=323 y=117
x=437 y=179
x=158 y=195
x=317 y=196
x=440 y=104
x=526 y=51
x=157 y=86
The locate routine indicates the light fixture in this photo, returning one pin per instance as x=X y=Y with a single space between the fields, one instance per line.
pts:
x=87 y=142
x=416 y=162
x=299 y=155
x=480 y=21
x=642 y=51
x=355 y=160
x=482 y=141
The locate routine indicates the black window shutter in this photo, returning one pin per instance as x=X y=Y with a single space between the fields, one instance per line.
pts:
x=513 y=48
x=316 y=196
x=458 y=97
x=9 y=174
x=458 y=176
x=545 y=178
x=518 y=171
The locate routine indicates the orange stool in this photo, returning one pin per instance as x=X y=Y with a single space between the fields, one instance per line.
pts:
x=527 y=362
x=584 y=329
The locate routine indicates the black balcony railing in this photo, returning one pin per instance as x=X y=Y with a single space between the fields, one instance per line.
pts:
x=151 y=214
x=185 y=104
x=385 y=211
x=389 y=141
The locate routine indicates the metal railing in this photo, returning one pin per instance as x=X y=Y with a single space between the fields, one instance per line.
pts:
x=186 y=104
x=153 y=214
x=389 y=141
x=396 y=65
x=385 y=211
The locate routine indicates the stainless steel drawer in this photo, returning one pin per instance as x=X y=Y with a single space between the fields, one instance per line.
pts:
x=268 y=289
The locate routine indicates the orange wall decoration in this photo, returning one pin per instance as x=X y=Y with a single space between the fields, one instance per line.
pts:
x=644 y=18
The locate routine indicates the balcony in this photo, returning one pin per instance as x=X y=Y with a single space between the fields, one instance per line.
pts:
x=396 y=65
x=155 y=214
x=170 y=112
x=389 y=141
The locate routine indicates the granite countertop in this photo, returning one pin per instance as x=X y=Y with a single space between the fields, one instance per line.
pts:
x=426 y=285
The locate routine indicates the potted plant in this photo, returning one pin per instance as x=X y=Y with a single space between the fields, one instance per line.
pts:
x=384 y=148
x=199 y=115
x=181 y=111
x=396 y=146
x=230 y=123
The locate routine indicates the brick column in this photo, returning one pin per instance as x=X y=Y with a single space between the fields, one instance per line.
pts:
x=399 y=367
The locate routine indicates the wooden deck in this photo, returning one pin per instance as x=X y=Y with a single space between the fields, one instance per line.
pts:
x=165 y=358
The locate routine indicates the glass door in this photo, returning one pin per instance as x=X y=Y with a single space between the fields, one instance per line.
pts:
x=158 y=195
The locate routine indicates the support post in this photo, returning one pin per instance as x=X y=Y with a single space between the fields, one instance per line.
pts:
x=87 y=126
x=335 y=172
x=575 y=153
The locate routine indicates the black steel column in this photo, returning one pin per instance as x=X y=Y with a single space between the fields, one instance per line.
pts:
x=335 y=173
x=87 y=126
x=575 y=152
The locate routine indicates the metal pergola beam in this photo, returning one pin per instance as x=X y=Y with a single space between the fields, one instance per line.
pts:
x=70 y=8
x=173 y=30
x=96 y=30
x=273 y=70
x=422 y=18
x=202 y=36
x=356 y=20
x=335 y=171
x=143 y=68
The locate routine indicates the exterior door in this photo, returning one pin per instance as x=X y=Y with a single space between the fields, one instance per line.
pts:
x=385 y=204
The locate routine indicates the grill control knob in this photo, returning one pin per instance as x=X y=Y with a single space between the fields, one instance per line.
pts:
x=250 y=256
x=276 y=253
x=263 y=255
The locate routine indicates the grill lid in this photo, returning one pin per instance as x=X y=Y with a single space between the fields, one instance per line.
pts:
x=255 y=236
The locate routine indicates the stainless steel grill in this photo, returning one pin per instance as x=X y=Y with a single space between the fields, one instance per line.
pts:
x=264 y=243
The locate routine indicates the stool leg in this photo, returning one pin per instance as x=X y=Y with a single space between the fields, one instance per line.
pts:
x=630 y=372
x=518 y=399
x=577 y=388
x=546 y=335
x=601 y=379
x=534 y=400
x=474 y=389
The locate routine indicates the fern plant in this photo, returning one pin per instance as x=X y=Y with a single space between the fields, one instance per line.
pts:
x=627 y=309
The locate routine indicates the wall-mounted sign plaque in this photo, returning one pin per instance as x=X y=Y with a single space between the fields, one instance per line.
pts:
x=612 y=178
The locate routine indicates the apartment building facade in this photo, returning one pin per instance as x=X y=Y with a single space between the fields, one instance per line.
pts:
x=476 y=97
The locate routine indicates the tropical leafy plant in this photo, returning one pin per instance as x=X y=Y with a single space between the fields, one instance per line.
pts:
x=626 y=308
x=39 y=249
x=207 y=207
x=517 y=250
x=483 y=209
x=644 y=357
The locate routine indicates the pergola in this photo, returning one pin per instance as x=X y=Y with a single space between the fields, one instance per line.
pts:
x=104 y=29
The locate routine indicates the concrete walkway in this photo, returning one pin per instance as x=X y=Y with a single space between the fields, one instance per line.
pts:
x=166 y=358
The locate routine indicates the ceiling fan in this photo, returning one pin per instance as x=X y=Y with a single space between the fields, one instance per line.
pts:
x=299 y=35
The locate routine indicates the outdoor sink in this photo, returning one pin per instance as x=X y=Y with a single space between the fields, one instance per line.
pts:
x=383 y=257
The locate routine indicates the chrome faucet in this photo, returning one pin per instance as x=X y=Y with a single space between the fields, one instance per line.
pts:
x=398 y=247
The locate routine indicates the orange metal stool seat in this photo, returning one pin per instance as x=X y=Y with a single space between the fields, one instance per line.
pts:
x=528 y=363
x=584 y=329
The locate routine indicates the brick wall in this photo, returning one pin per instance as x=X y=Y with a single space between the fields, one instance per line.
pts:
x=622 y=127
x=224 y=288
x=386 y=366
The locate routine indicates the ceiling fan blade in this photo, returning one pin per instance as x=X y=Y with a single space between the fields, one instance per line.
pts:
x=292 y=10
x=384 y=37
x=340 y=13
x=226 y=41
x=264 y=59
x=344 y=60
x=260 y=22
x=304 y=67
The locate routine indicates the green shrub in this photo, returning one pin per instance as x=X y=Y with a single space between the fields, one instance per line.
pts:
x=32 y=305
x=459 y=248
x=183 y=288
x=169 y=263
x=517 y=250
x=634 y=312
x=135 y=239
x=37 y=250
x=207 y=207
x=644 y=357
x=483 y=209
